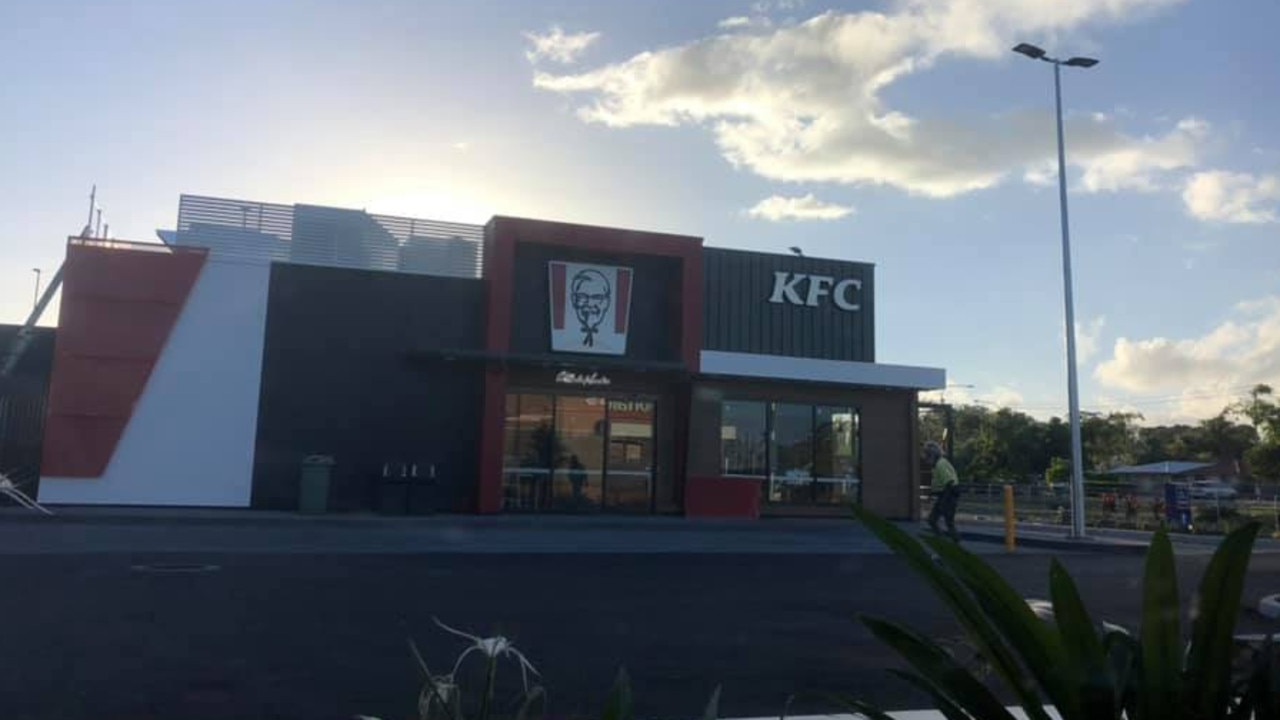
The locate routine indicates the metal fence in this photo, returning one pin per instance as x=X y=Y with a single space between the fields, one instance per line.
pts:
x=1113 y=505
x=22 y=411
x=333 y=237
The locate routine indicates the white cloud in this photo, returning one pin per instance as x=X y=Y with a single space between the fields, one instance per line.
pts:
x=1232 y=197
x=558 y=46
x=804 y=207
x=803 y=102
x=742 y=21
x=1000 y=396
x=761 y=7
x=1139 y=164
x=1003 y=396
x=1202 y=373
x=1087 y=336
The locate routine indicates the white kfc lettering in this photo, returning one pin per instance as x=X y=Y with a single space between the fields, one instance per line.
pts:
x=819 y=285
x=840 y=296
x=786 y=289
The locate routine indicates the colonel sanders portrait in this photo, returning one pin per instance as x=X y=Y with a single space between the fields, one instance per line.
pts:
x=591 y=297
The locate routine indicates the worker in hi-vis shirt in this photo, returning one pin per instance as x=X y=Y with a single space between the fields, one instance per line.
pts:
x=945 y=489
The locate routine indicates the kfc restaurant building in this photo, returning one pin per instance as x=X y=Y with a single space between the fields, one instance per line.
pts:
x=520 y=367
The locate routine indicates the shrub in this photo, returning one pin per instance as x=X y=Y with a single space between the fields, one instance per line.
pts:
x=1083 y=670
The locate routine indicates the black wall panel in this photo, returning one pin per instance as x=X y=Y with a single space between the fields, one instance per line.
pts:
x=338 y=379
x=653 y=332
x=738 y=317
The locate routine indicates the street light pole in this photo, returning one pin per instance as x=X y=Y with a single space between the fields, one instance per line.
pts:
x=1073 y=389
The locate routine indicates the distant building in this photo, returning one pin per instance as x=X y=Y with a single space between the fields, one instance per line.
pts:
x=1157 y=473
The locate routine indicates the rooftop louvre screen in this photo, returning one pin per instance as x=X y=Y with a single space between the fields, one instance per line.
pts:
x=332 y=237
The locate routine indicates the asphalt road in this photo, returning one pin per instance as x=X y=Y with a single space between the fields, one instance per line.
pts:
x=323 y=636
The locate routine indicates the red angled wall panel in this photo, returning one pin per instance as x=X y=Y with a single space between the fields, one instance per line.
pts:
x=119 y=305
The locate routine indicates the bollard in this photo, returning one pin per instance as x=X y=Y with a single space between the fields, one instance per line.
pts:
x=1010 y=523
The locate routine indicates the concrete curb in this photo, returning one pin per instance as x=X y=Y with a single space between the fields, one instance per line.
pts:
x=80 y=515
x=1061 y=543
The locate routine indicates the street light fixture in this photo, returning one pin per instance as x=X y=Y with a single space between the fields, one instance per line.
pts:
x=1073 y=391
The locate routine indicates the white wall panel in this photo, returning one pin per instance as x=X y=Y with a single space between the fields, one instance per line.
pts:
x=191 y=438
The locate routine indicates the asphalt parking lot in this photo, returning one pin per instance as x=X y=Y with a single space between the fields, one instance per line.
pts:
x=262 y=633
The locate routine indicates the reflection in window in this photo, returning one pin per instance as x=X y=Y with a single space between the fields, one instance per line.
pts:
x=743 y=438
x=835 y=439
x=792 y=478
x=530 y=450
x=808 y=454
x=580 y=422
x=631 y=450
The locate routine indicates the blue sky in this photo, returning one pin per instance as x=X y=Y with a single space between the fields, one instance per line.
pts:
x=900 y=133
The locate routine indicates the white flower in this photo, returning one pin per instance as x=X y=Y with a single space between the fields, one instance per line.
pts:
x=493 y=648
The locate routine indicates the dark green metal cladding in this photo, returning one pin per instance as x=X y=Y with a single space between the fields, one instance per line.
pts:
x=738 y=315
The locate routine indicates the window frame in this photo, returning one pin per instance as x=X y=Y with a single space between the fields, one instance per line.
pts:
x=767 y=479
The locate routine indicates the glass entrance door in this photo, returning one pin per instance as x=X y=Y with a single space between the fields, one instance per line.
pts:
x=578 y=453
x=629 y=477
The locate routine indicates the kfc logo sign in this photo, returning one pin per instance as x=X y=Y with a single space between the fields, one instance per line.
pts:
x=810 y=290
x=590 y=308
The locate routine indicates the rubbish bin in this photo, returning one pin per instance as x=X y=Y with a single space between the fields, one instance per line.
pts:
x=313 y=489
x=422 y=491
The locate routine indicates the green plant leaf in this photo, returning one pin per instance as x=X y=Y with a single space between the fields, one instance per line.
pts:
x=1086 y=660
x=941 y=670
x=1160 y=634
x=1217 y=608
x=430 y=683
x=1123 y=655
x=856 y=707
x=712 y=710
x=977 y=624
x=1259 y=699
x=949 y=709
x=1035 y=641
x=526 y=706
x=619 y=704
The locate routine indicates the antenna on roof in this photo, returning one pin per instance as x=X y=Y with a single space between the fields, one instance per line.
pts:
x=106 y=231
x=97 y=228
x=88 y=226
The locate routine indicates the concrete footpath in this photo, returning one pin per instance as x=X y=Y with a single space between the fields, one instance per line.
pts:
x=1136 y=542
x=111 y=529
x=171 y=530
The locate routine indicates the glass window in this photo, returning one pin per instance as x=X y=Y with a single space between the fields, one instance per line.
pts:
x=580 y=425
x=792 y=463
x=837 y=476
x=530 y=450
x=628 y=485
x=744 y=438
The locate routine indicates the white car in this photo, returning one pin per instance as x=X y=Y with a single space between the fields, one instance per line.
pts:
x=1212 y=490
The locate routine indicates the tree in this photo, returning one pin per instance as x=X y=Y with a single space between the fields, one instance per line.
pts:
x=1109 y=440
x=1262 y=411
x=1263 y=458
x=1263 y=461
x=1055 y=441
x=1218 y=438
